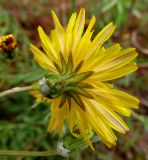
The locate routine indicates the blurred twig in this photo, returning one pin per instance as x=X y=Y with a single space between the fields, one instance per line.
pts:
x=144 y=102
x=136 y=116
x=137 y=45
x=131 y=7
x=143 y=65
x=15 y=90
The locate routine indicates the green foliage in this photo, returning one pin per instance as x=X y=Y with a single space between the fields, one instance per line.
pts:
x=23 y=121
x=117 y=11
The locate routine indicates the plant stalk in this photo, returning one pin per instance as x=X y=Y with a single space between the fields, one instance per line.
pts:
x=28 y=153
x=16 y=90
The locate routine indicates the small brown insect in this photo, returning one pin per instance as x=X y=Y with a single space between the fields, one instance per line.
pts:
x=7 y=43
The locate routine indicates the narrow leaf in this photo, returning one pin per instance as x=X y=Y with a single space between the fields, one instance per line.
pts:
x=62 y=101
x=70 y=64
x=79 y=77
x=78 y=67
x=79 y=91
x=63 y=63
x=77 y=99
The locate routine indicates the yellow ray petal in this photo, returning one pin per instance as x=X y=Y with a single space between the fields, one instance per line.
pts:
x=54 y=112
x=101 y=129
x=58 y=44
x=101 y=37
x=112 y=119
x=60 y=32
x=72 y=121
x=39 y=96
x=98 y=125
x=69 y=35
x=71 y=23
x=116 y=63
x=110 y=56
x=78 y=28
x=84 y=43
x=42 y=59
x=57 y=22
x=110 y=75
x=101 y=58
x=118 y=101
x=60 y=119
x=47 y=44
x=83 y=129
x=55 y=40
x=120 y=107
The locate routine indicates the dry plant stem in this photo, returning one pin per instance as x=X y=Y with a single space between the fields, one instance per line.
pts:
x=137 y=45
x=143 y=65
x=15 y=90
x=136 y=116
x=132 y=6
x=28 y=153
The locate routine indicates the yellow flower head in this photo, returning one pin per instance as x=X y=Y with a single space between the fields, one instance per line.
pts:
x=79 y=68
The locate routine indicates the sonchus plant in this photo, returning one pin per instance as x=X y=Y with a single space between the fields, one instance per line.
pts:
x=79 y=67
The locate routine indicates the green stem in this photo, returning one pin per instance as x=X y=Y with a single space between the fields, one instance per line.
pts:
x=28 y=153
x=17 y=90
x=74 y=5
x=6 y=126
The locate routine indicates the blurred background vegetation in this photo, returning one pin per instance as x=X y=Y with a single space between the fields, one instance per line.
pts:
x=23 y=122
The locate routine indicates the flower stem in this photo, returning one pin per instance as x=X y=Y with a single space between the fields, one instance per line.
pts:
x=16 y=90
x=28 y=153
x=136 y=116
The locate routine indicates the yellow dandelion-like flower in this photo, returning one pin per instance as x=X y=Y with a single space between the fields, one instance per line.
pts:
x=76 y=84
